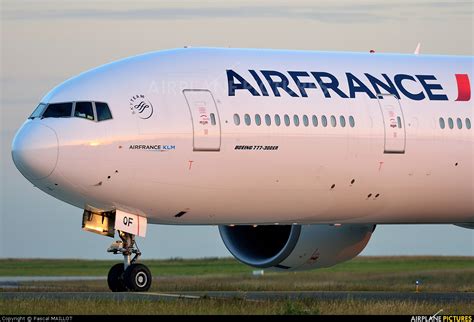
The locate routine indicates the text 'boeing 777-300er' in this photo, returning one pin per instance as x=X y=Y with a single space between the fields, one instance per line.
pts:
x=295 y=155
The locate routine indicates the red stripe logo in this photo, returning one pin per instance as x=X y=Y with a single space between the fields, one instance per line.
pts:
x=464 y=87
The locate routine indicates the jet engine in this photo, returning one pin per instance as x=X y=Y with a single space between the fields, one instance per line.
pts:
x=295 y=247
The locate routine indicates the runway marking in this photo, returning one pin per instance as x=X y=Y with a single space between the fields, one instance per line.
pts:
x=16 y=279
x=184 y=296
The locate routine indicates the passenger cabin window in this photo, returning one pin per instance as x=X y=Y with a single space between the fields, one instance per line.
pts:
x=351 y=121
x=38 y=111
x=103 y=111
x=236 y=119
x=442 y=124
x=58 y=110
x=268 y=120
x=247 y=119
x=324 y=120
x=277 y=120
x=451 y=123
x=296 y=120
x=84 y=110
x=342 y=120
x=305 y=120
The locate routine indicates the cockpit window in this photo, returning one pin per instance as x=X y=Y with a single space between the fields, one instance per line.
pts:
x=103 y=111
x=84 y=110
x=87 y=110
x=58 y=110
x=38 y=111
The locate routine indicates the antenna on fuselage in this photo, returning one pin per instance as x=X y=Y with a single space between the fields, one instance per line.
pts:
x=417 y=49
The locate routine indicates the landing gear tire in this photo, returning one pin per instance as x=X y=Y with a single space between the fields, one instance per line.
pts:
x=137 y=278
x=128 y=276
x=116 y=280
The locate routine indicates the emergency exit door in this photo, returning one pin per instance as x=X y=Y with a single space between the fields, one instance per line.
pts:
x=205 y=120
x=394 y=123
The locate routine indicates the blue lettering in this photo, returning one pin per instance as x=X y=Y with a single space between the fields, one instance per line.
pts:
x=259 y=82
x=333 y=84
x=430 y=87
x=242 y=83
x=301 y=86
x=398 y=80
x=327 y=82
x=389 y=87
x=283 y=83
x=355 y=85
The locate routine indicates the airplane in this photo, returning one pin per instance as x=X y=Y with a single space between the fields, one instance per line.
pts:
x=296 y=156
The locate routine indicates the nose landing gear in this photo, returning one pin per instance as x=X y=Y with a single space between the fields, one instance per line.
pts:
x=129 y=276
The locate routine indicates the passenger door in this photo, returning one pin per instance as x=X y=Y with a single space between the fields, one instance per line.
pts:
x=394 y=123
x=205 y=120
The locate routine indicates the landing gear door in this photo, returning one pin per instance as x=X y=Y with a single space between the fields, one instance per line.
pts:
x=130 y=223
x=205 y=120
x=394 y=123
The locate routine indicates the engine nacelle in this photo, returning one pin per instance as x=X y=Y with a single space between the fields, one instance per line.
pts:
x=295 y=247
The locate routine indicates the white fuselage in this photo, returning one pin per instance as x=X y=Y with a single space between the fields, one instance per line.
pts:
x=163 y=153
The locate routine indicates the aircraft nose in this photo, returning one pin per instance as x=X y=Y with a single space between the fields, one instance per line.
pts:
x=35 y=150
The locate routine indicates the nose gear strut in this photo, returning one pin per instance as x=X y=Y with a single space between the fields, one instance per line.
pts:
x=128 y=276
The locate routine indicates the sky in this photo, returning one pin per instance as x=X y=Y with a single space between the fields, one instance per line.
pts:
x=44 y=43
